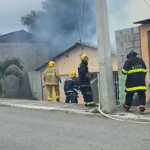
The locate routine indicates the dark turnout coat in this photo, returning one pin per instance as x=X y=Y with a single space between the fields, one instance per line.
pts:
x=84 y=75
x=71 y=85
x=136 y=70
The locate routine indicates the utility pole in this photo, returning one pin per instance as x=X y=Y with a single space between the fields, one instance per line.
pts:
x=106 y=85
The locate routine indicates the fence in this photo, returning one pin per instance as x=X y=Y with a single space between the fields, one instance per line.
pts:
x=116 y=86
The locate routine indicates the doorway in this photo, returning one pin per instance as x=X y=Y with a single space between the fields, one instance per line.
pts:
x=148 y=37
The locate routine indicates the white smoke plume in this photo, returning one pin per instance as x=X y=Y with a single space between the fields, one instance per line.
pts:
x=122 y=14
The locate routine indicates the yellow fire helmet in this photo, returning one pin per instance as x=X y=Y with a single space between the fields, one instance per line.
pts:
x=51 y=64
x=72 y=74
x=84 y=57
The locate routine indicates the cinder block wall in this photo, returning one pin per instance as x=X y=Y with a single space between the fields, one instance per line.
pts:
x=126 y=40
x=32 y=55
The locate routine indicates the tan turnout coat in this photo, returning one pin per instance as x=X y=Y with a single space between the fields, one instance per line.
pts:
x=51 y=76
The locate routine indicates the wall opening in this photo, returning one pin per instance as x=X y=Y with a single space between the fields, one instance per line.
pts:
x=148 y=36
x=116 y=86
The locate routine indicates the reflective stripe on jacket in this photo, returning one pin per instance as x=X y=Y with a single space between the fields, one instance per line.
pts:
x=71 y=85
x=136 y=70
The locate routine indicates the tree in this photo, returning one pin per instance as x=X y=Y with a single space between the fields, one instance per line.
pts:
x=29 y=19
x=10 y=67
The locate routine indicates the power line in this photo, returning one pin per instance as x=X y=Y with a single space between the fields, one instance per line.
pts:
x=76 y=20
x=147 y=3
x=82 y=19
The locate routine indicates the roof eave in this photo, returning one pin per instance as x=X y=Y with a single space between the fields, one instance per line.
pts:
x=59 y=55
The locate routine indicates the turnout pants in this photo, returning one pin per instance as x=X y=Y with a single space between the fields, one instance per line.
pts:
x=50 y=90
x=142 y=99
x=71 y=98
x=87 y=95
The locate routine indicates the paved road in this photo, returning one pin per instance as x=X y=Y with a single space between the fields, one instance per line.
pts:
x=22 y=129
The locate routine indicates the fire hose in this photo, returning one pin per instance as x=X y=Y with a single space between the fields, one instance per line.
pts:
x=109 y=116
x=104 y=114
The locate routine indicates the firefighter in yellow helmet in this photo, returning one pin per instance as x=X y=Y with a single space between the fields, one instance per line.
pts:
x=84 y=81
x=71 y=88
x=52 y=79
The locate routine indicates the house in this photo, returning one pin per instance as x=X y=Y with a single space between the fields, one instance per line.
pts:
x=69 y=60
x=138 y=39
x=33 y=53
x=20 y=36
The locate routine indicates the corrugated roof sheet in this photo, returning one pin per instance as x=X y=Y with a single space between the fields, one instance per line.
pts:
x=146 y=21
x=68 y=50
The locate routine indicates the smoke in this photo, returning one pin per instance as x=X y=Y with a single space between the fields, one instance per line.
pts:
x=123 y=14
x=58 y=25
x=60 y=28
x=136 y=10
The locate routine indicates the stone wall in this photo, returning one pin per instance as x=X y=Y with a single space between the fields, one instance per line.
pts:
x=32 y=56
x=126 y=40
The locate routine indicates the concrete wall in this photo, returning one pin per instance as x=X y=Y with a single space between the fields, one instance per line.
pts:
x=32 y=56
x=126 y=40
x=70 y=61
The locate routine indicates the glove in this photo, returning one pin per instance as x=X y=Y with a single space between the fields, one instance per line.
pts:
x=88 y=76
x=79 y=91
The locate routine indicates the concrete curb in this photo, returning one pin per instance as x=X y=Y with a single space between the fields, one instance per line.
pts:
x=132 y=118
x=83 y=112
x=49 y=109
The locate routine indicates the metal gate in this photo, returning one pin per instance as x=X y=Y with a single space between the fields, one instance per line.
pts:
x=35 y=83
x=116 y=86
x=94 y=86
x=148 y=36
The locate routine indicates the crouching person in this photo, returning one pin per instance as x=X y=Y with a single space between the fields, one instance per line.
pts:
x=71 y=88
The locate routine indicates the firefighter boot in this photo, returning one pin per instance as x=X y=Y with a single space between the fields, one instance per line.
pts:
x=127 y=108
x=57 y=99
x=49 y=98
x=91 y=104
x=142 y=109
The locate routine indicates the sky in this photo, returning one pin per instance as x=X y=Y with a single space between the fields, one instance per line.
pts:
x=121 y=14
x=10 y=13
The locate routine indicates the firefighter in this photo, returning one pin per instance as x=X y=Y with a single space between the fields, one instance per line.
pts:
x=52 y=79
x=71 y=88
x=135 y=69
x=84 y=81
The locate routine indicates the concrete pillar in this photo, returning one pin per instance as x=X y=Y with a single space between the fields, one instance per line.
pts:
x=106 y=93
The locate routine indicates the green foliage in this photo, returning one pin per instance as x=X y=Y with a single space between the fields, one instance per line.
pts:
x=6 y=69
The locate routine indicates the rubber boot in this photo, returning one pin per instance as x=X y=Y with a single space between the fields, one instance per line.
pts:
x=85 y=104
x=142 y=110
x=127 y=108
x=92 y=105
x=57 y=100
x=49 y=99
